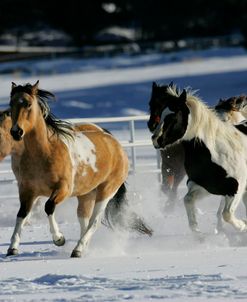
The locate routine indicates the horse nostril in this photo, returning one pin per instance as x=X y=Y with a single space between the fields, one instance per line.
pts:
x=16 y=133
x=20 y=132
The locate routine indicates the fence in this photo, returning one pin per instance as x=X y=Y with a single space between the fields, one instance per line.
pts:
x=131 y=143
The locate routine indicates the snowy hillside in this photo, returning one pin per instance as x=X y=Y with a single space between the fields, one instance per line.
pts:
x=173 y=265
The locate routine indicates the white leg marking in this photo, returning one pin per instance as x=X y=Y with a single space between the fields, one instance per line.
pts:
x=16 y=237
x=92 y=225
x=231 y=204
x=54 y=229
x=194 y=192
x=219 y=227
x=84 y=222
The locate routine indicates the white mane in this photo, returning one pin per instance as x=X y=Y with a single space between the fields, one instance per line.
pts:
x=223 y=140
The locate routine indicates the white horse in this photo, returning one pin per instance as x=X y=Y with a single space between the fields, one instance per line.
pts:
x=215 y=154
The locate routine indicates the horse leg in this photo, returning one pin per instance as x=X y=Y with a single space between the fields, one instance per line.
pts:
x=231 y=204
x=102 y=198
x=173 y=172
x=245 y=201
x=26 y=202
x=168 y=188
x=36 y=210
x=194 y=192
x=219 y=227
x=85 y=208
x=56 y=197
x=173 y=192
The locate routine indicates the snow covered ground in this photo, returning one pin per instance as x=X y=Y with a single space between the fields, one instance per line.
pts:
x=173 y=265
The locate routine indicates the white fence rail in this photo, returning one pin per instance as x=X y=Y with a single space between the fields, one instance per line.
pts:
x=131 y=143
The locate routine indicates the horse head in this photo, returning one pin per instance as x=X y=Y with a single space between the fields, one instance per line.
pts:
x=27 y=104
x=173 y=121
x=233 y=109
x=6 y=140
x=157 y=103
x=22 y=106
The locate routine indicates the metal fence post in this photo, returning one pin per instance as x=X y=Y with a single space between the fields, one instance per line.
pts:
x=132 y=140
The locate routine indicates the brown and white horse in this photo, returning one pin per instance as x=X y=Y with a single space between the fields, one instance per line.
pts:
x=59 y=160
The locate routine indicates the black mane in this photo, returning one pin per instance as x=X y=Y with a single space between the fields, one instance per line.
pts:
x=160 y=93
x=57 y=126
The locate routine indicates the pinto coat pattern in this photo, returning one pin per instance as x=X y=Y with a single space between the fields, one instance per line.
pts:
x=215 y=153
x=60 y=160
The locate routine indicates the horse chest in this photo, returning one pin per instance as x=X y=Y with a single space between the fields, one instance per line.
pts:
x=202 y=170
x=42 y=172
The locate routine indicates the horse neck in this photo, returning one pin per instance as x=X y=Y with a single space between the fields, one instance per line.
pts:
x=37 y=141
x=205 y=125
x=17 y=148
x=203 y=122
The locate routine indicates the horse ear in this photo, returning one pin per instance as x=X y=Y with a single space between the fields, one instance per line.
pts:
x=13 y=85
x=171 y=84
x=183 y=95
x=35 y=87
x=154 y=85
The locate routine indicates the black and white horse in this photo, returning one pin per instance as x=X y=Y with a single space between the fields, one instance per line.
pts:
x=173 y=172
x=215 y=153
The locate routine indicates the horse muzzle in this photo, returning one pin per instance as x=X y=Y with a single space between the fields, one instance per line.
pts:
x=17 y=133
x=152 y=126
x=156 y=143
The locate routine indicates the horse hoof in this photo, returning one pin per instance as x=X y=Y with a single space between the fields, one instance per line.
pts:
x=12 y=252
x=60 y=241
x=75 y=254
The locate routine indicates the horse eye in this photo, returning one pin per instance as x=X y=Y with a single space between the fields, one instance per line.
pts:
x=26 y=104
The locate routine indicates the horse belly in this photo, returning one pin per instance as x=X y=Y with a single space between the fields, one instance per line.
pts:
x=85 y=181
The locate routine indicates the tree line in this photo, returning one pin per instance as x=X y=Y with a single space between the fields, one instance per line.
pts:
x=154 y=19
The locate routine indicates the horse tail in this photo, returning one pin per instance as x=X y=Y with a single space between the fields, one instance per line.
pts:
x=117 y=214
